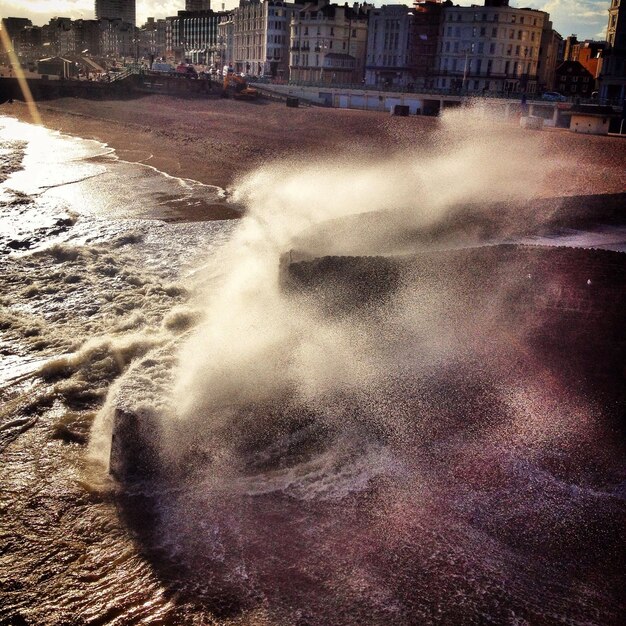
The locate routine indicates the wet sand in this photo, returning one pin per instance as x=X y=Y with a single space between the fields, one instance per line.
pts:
x=216 y=141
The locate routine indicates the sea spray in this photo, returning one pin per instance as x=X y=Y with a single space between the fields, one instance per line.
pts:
x=258 y=342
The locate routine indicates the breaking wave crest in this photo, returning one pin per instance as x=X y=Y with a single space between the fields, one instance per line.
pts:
x=370 y=401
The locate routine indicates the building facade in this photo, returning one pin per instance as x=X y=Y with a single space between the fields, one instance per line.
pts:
x=389 y=40
x=256 y=38
x=550 y=52
x=193 y=36
x=402 y=45
x=574 y=80
x=152 y=38
x=118 y=39
x=493 y=48
x=329 y=43
x=87 y=37
x=226 y=41
x=123 y=10
x=612 y=76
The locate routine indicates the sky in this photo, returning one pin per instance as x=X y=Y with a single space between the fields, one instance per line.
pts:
x=585 y=18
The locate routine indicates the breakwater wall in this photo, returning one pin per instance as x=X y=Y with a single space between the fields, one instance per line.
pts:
x=132 y=86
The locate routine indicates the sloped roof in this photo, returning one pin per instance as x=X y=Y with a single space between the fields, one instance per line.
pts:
x=92 y=64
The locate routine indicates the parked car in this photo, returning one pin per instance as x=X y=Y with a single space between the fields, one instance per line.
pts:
x=553 y=96
x=187 y=70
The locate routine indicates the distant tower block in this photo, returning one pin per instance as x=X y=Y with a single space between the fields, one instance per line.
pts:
x=197 y=5
x=116 y=9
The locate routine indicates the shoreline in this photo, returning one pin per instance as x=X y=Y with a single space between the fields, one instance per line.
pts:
x=218 y=141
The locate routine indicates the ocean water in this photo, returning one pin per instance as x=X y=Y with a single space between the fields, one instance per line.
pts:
x=188 y=435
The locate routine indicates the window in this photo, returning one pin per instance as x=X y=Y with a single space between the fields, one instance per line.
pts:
x=456 y=46
x=492 y=48
x=482 y=32
x=457 y=32
x=447 y=46
x=481 y=47
x=494 y=32
x=512 y=19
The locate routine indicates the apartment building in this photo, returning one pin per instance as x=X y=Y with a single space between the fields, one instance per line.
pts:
x=192 y=36
x=550 y=57
x=402 y=45
x=152 y=38
x=226 y=41
x=255 y=37
x=329 y=43
x=574 y=80
x=613 y=73
x=490 y=48
x=388 y=60
x=87 y=36
x=117 y=38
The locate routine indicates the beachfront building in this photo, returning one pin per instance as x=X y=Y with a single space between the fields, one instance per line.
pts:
x=192 y=36
x=28 y=44
x=613 y=73
x=152 y=38
x=58 y=36
x=123 y=10
x=426 y=24
x=13 y=26
x=550 y=56
x=225 y=41
x=255 y=38
x=87 y=36
x=574 y=80
x=388 y=60
x=329 y=43
x=118 y=39
x=402 y=45
x=490 y=48
x=589 y=54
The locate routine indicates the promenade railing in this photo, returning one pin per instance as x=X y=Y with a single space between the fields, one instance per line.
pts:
x=535 y=98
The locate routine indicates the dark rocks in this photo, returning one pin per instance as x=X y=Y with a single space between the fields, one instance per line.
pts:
x=16 y=244
x=134 y=446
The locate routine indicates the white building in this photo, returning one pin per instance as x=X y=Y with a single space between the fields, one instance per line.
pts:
x=329 y=43
x=490 y=48
x=260 y=37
